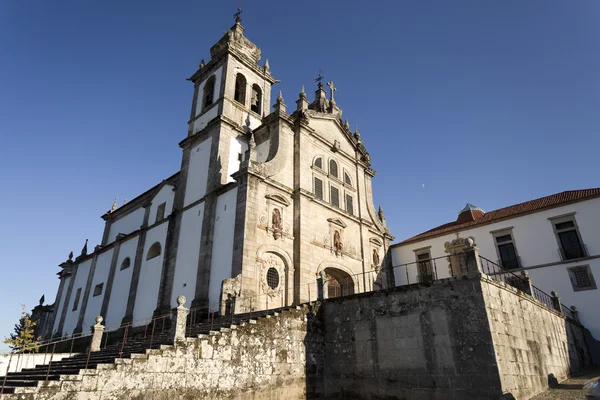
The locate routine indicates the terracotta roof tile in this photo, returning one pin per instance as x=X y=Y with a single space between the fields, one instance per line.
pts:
x=551 y=201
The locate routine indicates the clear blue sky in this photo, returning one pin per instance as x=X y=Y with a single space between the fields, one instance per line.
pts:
x=488 y=102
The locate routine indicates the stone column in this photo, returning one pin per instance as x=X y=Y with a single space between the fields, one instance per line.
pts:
x=472 y=260
x=320 y=288
x=97 y=336
x=527 y=287
x=179 y=320
x=556 y=301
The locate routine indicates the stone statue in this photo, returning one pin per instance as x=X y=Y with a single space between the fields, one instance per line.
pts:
x=71 y=256
x=42 y=299
x=337 y=241
x=276 y=219
x=375 y=257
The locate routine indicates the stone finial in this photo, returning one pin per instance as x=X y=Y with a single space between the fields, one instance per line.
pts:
x=347 y=124
x=267 y=66
x=303 y=93
x=525 y=274
x=302 y=102
x=70 y=256
x=573 y=308
x=97 y=334
x=179 y=319
x=84 y=250
x=251 y=141
x=554 y=294
x=280 y=105
x=124 y=201
x=42 y=299
x=180 y=301
x=280 y=97
x=114 y=206
x=202 y=64
x=99 y=319
x=380 y=213
x=357 y=135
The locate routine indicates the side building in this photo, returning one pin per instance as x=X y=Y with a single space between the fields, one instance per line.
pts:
x=266 y=202
x=556 y=239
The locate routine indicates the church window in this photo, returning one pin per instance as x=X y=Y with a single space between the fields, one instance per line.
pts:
x=98 y=289
x=319 y=188
x=272 y=278
x=333 y=168
x=256 y=101
x=240 y=89
x=347 y=180
x=126 y=263
x=76 y=302
x=154 y=251
x=335 y=196
x=160 y=212
x=208 y=93
x=319 y=163
x=349 y=204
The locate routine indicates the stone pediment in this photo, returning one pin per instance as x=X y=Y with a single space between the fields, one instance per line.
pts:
x=278 y=198
x=337 y=221
x=376 y=241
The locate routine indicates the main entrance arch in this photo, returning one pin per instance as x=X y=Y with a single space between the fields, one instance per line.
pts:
x=337 y=282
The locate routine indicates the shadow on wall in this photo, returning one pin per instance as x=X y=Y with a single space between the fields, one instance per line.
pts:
x=593 y=347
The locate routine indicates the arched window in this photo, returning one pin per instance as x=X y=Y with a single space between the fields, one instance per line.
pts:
x=319 y=163
x=209 y=92
x=333 y=168
x=347 y=180
x=256 y=101
x=126 y=263
x=240 y=89
x=154 y=251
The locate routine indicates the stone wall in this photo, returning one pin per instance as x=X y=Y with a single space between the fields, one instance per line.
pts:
x=259 y=360
x=531 y=340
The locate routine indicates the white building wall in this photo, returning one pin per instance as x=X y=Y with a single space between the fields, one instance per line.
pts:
x=536 y=245
x=236 y=147
x=117 y=305
x=165 y=195
x=60 y=305
x=198 y=172
x=222 y=250
x=83 y=270
x=127 y=224
x=188 y=253
x=149 y=281
x=95 y=302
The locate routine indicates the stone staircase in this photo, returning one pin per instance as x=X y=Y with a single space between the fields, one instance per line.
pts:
x=29 y=379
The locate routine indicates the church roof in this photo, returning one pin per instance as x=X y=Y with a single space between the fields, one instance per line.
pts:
x=554 y=200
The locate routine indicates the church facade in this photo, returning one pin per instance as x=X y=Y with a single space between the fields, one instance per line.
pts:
x=266 y=202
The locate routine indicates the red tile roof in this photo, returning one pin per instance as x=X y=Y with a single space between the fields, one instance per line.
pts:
x=527 y=207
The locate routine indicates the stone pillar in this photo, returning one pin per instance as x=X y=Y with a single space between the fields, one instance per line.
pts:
x=556 y=301
x=575 y=314
x=472 y=260
x=527 y=288
x=179 y=320
x=97 y=336
x=320 y=288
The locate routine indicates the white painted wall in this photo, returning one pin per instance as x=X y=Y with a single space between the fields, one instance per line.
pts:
x=198 y=172
x=60 y=306
x=127 y=224
x=188 y=253
x=201 y=122
x=164 y=195
x=236 y=147
x=95 y=303
x=536 y=245
x=21 y=361
x=83 y=270
x=149 y=281
x=222 y=250
x=117 y=305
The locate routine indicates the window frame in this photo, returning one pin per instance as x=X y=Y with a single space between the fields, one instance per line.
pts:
x=346 y=197
x=424 y=251
x=121 y=268
x=559 y=219
x=572 y=278
x=506 y=232
x=212 y=82
x=76 y=300
x=259 y=93
x=315 y=178
x=150 y=248
x=242 y=92
x=331 y=187
x=337 y=169
x=98 y=292
x=158 y=209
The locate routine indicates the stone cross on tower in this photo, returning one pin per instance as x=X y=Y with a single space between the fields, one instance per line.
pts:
x=331 y=89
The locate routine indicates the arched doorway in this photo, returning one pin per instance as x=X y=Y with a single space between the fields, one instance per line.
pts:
x=337 y=283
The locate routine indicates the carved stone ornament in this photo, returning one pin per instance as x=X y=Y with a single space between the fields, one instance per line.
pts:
x=272 y=261
x=337 y=243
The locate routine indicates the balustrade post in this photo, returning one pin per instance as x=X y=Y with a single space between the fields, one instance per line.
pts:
x=472 y=259
x=97 y=336
x=575 y=314
x=179 y=320
x=527 y=287
x=320 y=288
x=556 y=302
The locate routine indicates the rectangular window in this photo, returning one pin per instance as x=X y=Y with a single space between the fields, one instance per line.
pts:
x=98 y=289
x=581 y=278
x=424 y=267
x=335 y=196
x=506 y=249
x=76 y=302
x=319 y=188
x=160 y=212
x=349 y=204
x=569 y=240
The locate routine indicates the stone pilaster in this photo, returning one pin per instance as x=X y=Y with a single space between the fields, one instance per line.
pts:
x=97 y=335
x=179 y=320
x=111 y=277
x=58 y=306
x=556 y=301
x=472 y=259
x=168 y=268
x=527 y=287
x=137 y=266
x=86 y=293
x=65 y=309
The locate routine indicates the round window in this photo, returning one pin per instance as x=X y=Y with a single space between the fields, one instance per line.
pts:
x=272 y=278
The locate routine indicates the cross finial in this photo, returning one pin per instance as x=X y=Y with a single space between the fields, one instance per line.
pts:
x=238 y=15
x=319 y=79
x=331 y=89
